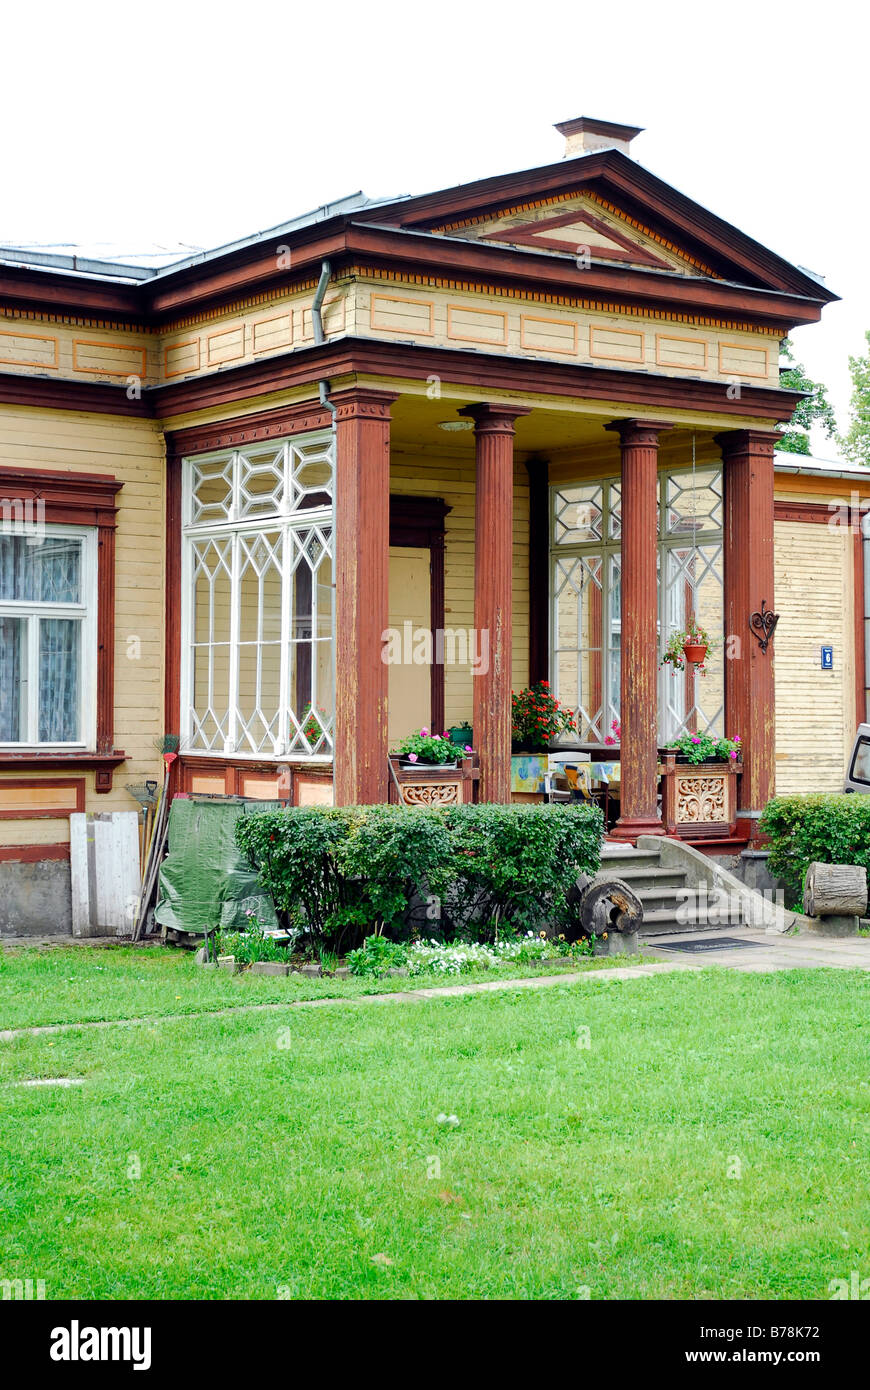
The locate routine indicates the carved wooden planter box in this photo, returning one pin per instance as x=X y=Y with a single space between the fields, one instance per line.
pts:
x=433 y=786
x=699 y=801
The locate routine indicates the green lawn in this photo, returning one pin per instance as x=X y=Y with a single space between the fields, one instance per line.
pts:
x=298 y=1153
x=78 y=984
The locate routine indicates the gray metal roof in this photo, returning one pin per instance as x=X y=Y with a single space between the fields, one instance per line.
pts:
x=122 y=270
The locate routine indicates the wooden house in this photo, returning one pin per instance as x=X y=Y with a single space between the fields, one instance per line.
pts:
x=532 y=418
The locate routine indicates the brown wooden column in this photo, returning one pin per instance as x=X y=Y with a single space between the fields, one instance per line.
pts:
x=493 y=592
x=639 y=670
x=362 y=540
x=747 y=459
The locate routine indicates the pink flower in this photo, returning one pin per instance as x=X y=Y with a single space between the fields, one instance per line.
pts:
x=695 y=740
x=736 y=738
x=412 y=757
x=424 y=733
x=468 y=748
x=733 y=754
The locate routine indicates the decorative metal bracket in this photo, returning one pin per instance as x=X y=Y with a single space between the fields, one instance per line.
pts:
x=762 y=625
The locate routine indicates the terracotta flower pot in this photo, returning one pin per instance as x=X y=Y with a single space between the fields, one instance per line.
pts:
x=695 y=652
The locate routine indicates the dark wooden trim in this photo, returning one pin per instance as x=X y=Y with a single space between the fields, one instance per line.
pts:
x=858 y=627
x=419 y=522
x=68 y=499
x=32 y=854
x=234 y=770
x=343 y=238
x=106 y=638
x=80 y=499
x=629 y=185
x=539 y=570
x=103 y=764
x=817 y=512
x=51 y=813
x=287 y=420
x=59 y=393
x=484 y=371
x=172 y=630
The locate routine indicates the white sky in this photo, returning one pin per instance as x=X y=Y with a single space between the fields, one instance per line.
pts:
x=174 y=125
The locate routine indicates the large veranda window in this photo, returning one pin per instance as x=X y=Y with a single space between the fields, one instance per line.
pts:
x=586 y=618
x=257 y=600
x=48 y=643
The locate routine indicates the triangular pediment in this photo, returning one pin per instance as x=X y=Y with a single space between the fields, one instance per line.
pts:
x=582 y=224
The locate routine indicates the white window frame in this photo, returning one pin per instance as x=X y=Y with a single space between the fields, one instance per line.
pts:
x=235 y=526
x=86 y=613
x=608 y=546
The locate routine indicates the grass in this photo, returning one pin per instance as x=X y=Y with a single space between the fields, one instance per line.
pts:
x=77 y=984
x=299 y=1154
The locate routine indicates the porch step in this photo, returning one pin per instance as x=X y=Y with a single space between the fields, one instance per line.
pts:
x=664 y=921
x=661 y=891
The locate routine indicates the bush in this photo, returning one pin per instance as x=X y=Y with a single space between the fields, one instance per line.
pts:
x=808 y=829
x=350 y=869
x=376 y=956
x=354 y=870
x=517 y=863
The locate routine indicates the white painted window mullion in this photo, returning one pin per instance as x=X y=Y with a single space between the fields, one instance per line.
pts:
x=231 y=743
x=285 y=668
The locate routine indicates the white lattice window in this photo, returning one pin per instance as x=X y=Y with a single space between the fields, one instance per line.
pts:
x=586 y=595
x=257 y=600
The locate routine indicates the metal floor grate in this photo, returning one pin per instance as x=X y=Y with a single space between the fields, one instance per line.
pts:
x=696 y=944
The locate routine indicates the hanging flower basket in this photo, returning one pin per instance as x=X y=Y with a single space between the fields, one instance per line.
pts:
x=695 y=652
x=688 y=647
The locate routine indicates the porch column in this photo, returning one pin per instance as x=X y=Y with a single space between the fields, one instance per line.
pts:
x=747 y=475
x=362 y=541
x=493 y=591
x=639 y=665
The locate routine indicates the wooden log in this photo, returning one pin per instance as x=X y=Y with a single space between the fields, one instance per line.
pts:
x=835 y=890
x=604 y=905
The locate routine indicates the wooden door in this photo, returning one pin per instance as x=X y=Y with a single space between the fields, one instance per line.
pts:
x=410 y=693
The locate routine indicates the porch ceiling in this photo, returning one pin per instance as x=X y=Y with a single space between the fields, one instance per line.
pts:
x=560 y=436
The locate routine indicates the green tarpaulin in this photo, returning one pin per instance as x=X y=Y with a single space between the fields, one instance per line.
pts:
x=204 y=880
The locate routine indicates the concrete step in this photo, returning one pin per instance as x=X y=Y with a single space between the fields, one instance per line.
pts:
x=617 y=860
x=640 y=878
x=664 y=921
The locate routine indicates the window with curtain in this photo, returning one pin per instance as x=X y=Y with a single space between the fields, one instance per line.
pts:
x=257 y=600
x=48 y=608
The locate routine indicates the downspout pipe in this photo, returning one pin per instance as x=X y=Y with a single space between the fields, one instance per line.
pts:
x=865 y=531
x=319 y=337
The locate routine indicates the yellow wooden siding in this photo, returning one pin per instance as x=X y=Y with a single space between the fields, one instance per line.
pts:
x=453 y=480
x=815 y=709
x=132 y=451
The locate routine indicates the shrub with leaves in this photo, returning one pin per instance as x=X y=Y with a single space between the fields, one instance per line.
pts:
x=376 y=956
x=815 y=829
x=395 y=852
x=517 y=863
x=353 y=871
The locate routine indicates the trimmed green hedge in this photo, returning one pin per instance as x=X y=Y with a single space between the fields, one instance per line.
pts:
x=815 y=829
x=345 y=872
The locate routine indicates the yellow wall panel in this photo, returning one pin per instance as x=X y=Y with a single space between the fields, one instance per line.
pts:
x=28 y=350
x=616 y=344
x=815 y=709
x=98 y=358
